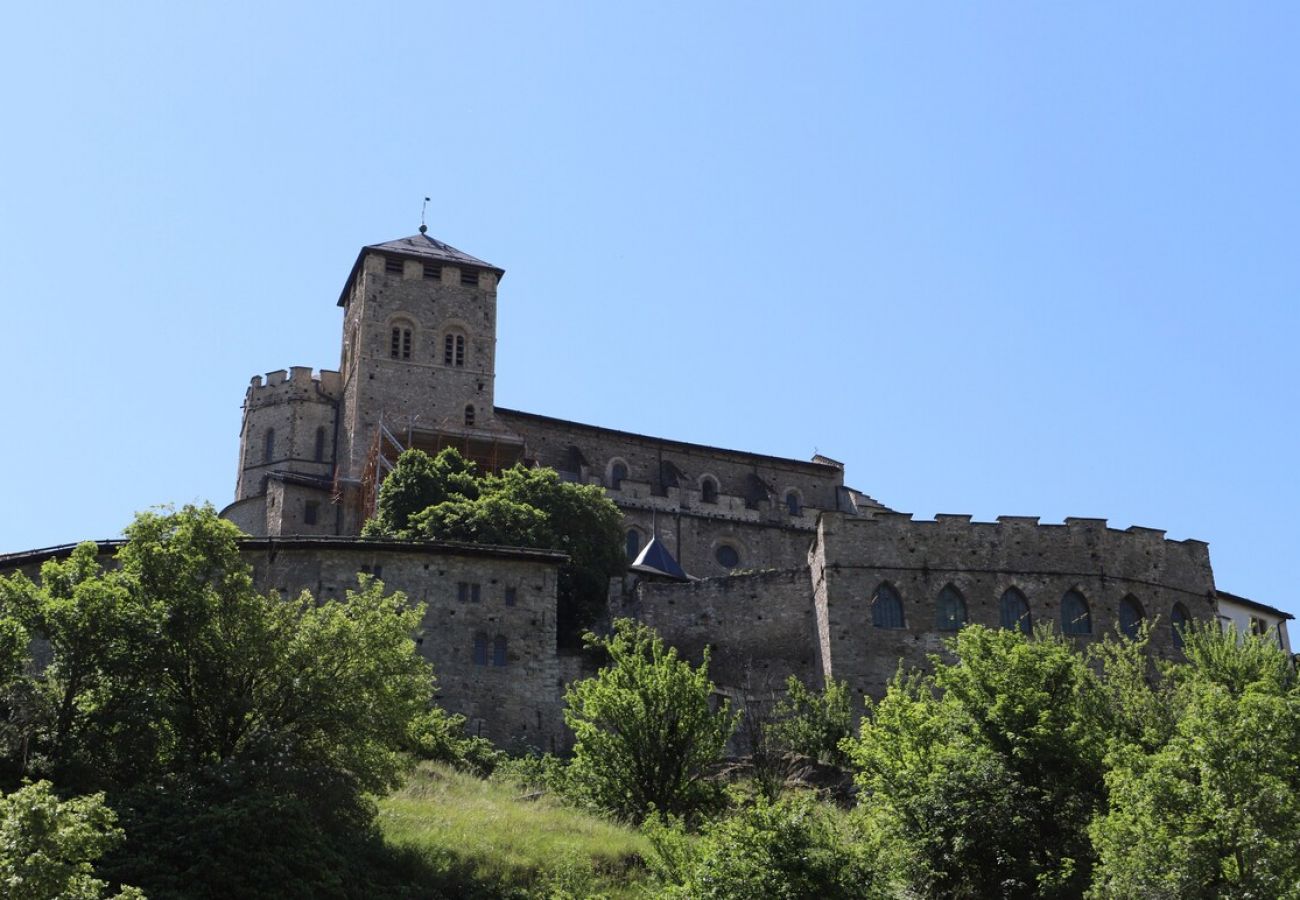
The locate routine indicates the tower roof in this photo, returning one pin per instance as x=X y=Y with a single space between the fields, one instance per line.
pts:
x=655 y=559
x=422 y=247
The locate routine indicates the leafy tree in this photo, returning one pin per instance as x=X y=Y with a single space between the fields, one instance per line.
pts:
x=1215 y=810
x=645 y=726
x=984 y=775
x=519 y=507
x=417 y=482
x=812 y=723
x=787 y=850
x=48 y=847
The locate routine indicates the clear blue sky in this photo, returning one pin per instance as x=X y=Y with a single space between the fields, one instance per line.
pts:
x=999 y=259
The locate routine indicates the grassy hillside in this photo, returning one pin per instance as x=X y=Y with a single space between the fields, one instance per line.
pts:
x=487 y=839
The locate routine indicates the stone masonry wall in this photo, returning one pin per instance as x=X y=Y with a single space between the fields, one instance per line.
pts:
x=761 y=627
x=982 y=560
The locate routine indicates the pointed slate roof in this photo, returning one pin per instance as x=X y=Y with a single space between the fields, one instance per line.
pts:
x=654 y=559
x=422 y=247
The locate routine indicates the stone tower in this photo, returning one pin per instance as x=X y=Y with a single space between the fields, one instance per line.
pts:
x=417 y=364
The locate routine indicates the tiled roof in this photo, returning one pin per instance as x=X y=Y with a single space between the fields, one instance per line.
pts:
x=655 y=559
x=421 y=246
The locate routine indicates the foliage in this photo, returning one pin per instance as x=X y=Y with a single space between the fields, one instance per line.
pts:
x=538 y=773
x=788 y=849
x=814 y=724
x=439 y=736
x=1215 y=810
x=417 y=482
x=489 y=839
x=47 y=847
x=983 y=776
x=518 y=508
x=198 y=703
x=645 y=727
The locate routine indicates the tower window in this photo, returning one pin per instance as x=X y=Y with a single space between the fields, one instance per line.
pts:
x=617 y=473
x=320 y=444
x=469 y=277
x=499 y=650
x=512 y=596
x=400 y=344
x=393 y=265
x=310 y=512
x=453 y=350
x=480 y=649
x=633 y=543
x=467 y=592
x=432 y=272
x=268 y=449
x=469 y=414
x=793 y=504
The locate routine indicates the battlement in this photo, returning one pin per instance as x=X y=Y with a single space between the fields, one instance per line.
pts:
x=297 y=383
x=1073 y=525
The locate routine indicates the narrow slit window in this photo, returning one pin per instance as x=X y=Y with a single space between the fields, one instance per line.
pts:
x=320 y=444
x=499 y=650
x=269 y=446
x=310 y=512
x=633 y=543
x=512 y=596
x=480 y=649
x=469 y=414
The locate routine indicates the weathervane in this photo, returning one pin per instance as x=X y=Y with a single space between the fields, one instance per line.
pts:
x=423 y=228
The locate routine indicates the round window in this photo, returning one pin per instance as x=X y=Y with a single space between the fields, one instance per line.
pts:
x=727 y=556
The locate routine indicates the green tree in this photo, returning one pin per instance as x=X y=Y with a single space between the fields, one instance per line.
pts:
x=519 y=507
x=984 y=775
x=1214 y=810
x=645 y=726
x=788 y=850
x=48 y=847
x=814 y=723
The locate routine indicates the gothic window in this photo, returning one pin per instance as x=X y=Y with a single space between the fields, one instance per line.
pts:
x=320 y=444
x=1015 y=612
x=399 y=344
x=480 y=649
x=950 y=612
x=617 y=472
x=708 y=490
x=469 y=414
x=453 y=349
x=1178 y=620
x=1130 y=616
x=633 y=543
x=793 y=504
x=887 y=608
x=727 y=556
x=268 y=449
x=1075 y=618
x=499 y=650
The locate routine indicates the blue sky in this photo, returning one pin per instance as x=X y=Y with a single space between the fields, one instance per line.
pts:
x=999 y=259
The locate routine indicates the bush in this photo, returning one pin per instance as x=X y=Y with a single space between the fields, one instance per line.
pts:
x=814 y=724
x=645 y=726
x=787 y=850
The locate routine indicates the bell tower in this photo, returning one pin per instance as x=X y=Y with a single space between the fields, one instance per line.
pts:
x=417 y=363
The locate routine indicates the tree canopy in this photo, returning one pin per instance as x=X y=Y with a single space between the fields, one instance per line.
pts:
x=519 y=508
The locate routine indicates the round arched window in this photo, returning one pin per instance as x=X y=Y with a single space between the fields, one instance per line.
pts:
x=727 y=556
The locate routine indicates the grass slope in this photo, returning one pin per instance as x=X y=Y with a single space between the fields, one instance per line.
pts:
x=486 y=840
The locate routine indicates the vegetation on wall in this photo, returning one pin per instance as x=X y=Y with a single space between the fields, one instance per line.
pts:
x=444 y=498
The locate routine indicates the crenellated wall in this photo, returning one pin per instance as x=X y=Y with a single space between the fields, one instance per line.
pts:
x=299 y=408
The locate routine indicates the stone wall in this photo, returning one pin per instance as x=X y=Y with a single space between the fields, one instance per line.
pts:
x=982 y=560
x=761 y=627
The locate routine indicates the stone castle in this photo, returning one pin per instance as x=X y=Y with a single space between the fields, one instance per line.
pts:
x=775 y=564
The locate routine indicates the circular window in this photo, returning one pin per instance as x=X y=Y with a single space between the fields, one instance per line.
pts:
x=727 y=556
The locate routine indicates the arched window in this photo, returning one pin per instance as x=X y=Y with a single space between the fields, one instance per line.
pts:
x=469 y=414
x=1015 y=611
x=617 y=472
x=950 y=613
x=727 y=556
x=268 y=449
x=1178 y=620
x=792 y=503
x=320 y=444
x=1130 y=616
x=399 y=344
x=1075 y=618
x=499 y=650
x=633 y=543
x=887 y=607
x=708 y=490
x=453 y=349
x=480 y=649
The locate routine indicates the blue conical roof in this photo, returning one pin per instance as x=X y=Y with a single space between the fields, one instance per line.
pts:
x=654 y=559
